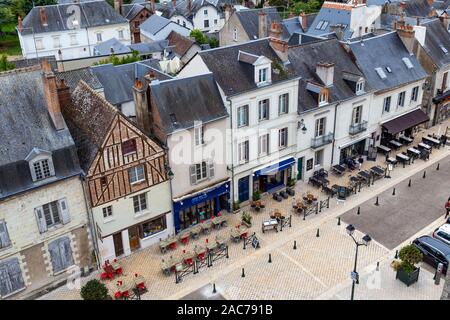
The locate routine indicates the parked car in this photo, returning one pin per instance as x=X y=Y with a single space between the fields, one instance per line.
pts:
x=434 y=251
x=443 y=233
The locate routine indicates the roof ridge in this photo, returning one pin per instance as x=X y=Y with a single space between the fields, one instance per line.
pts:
x=235 y=45
x=35 y=67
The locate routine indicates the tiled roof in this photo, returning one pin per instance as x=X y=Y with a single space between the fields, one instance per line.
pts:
x=250 y=21
x=181 y=44
x=437 y=42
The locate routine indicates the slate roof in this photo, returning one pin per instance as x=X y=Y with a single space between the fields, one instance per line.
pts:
x=72 y=77
x=181 y=44
x=304 y=59
x=92 y=13
x=383 y=51
x=387 y=20
x=331 y=14
x=150 y=47
x=26 y=124
x=235 y=77
x=250 y=20
x=418 y=8
x=109 y=46
x=117 y=81
x=301 y=38
x=380 y=2
x=293 y=25
x=173 y=97
x=154 y=24
x=88 y=117
x=29 y=62
x=436 y=38
x=129 y=11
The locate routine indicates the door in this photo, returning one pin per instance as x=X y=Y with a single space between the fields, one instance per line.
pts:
x=300 y=168
x=243 y=189
x=137 y=37
x=118 y=244
x=133 y=236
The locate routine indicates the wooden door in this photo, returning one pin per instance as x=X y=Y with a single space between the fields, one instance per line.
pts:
x=133 y=235
x=118 y=244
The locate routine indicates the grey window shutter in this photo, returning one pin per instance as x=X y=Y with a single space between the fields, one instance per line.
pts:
x=42 y=224
x=193 y=174
x=5 y=283
x=15 y=275
x=211 y=169
x=55 y=255
x=66 y=252
x=64 y=211
x=4 y=237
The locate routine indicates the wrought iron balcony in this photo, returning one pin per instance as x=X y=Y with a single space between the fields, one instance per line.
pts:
x=358 y=127
x=319 y=141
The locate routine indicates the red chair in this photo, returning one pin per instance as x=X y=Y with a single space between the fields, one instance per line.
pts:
x=189 y=261
x=173 y=245
x=119 y=271
x=185 y=240
x=118 y=295
x=201 y=256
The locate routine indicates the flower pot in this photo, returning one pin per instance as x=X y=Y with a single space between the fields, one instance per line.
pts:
x=408 y=278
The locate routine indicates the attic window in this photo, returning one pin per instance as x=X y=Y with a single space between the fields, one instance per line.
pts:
x=388 y=69
x=173 y=118
x=444 y=49
x=129 y=147
x=359 y=87
x=41 y=169
x=408 y=63
x=381 y=73
x=322 y=25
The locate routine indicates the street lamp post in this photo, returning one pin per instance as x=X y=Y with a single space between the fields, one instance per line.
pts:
x=366 y=240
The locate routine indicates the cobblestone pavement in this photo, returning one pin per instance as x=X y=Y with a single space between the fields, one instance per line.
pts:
x=318 y=269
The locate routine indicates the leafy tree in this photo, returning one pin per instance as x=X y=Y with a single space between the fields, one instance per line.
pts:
x=94 y=290
x=115 y=60
x=410 y=256
x=213 y=42
x=199 y=37
x=5 y=64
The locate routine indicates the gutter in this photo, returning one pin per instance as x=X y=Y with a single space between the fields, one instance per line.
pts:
x=334 y=132
x=232 y=153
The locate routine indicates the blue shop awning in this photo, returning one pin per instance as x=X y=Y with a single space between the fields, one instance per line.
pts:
x=280 y=166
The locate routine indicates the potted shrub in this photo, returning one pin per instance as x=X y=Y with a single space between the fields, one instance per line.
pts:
x=94 y=290
x=407 y=272
x=247 y=219
x=256 y=196
x=236 y=206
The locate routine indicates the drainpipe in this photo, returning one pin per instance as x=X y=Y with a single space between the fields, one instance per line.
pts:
x=91 y=223
x=334 y=131
x=430 y=100
x=232 y=153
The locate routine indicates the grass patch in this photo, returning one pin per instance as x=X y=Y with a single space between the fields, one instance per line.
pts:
x=10 y=45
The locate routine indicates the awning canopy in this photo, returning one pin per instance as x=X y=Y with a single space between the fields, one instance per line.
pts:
x=272 y=169
x=406 y=121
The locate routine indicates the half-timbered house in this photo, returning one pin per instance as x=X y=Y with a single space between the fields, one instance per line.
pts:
x=125 y=175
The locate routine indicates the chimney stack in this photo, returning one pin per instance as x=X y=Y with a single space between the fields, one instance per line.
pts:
x=338 y=30
x=325 y=71
x=189 y=6
x=141 y=103
x=302 y=20
x=174 y=3
x=445 y=19
x=430 y=2
x=64 y=96
x=19 y=24
x=407 y=34
x=51 y=95
x=118 y=6
x=275 y=30
x=266 y=4
x=228 y=10
x=43 y=17
x=262 y=24
x=152 y=5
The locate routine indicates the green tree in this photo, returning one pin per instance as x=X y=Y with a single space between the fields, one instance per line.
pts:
x=5 y=64
x=115 y=60
x=199 y=37
x=94 y=290
x=410 y=256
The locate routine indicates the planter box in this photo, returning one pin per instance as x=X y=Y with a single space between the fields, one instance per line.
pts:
x=248 y=225
x=408 y=278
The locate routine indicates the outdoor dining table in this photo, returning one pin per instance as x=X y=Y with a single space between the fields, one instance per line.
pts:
x=206 y=226
x=339 y=169
x=424 y=146
x=195 y=231
x=364 y=175
x=377 y=170
x=270 y=224
x=163 y=244
x=384 y=149
x=116 y=267
x=172 y=242
x=243 y=231
x=413 y=152
x=211 y=246
x=395 y=143
x=184 y=236
x=124 y=289
x=200 y=252
x=403 y=158
x=434 y=142
x=406 y=139
x=188 y=257
x=392 y=160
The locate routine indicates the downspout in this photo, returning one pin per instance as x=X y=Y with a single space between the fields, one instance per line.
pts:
x=90 y=221
x=431 y=94
x=232 y=153
x=334 y=131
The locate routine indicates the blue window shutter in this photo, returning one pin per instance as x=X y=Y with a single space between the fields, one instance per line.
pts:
x=4 y=237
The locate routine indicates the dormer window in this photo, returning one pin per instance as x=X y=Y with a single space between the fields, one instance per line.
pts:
x=41 y=164
x=359 y=87
x=323 y=98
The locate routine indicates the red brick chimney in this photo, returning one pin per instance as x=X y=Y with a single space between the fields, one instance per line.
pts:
x=275 y=30
x=51 y=95
x=445 y=19
x=407 y=35
x=43 y=17
x=64 y=96
x=19 y=24
x=174 y=3
x=118 y=6
x=189 y=6
x=141 y=104
x=430 y=2
x=302 y=20
x=262 y=24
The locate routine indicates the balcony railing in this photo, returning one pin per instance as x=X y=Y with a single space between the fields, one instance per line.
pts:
x=358 y=127
x=319 y=141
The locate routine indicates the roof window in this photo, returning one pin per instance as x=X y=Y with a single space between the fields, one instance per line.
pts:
x=407 y=63
x=381 y=73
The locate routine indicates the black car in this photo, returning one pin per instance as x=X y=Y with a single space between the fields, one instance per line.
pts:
x=434 y=251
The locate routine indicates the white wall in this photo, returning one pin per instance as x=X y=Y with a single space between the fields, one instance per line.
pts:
x=164 y=32
x=365 y=17
x=182 y=21
x=211 y=15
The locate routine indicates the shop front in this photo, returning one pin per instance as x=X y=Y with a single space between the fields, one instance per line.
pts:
x=201 y=206
x=404 y=125
x=273 y=176
x=442 y=107
x=353 y=150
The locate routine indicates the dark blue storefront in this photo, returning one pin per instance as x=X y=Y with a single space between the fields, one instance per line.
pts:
x=273 y=176
x=202 y=206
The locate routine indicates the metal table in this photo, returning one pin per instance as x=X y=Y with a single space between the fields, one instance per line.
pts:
x=270 y=224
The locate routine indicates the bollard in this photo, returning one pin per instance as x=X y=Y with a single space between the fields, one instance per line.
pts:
x=295 y=245
x=437 y=168
x=328 y=202
x=214 y=288
x=393 y=192
x=317 y=234
x=424 y=174
x=339 y=221
x=378 y=266
x=377 y=203
x=396 y=254
x=373 y=180
x=243 y=273
x=359 y=189
x=359 y=211
x=409 y=183
x=270 y=258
